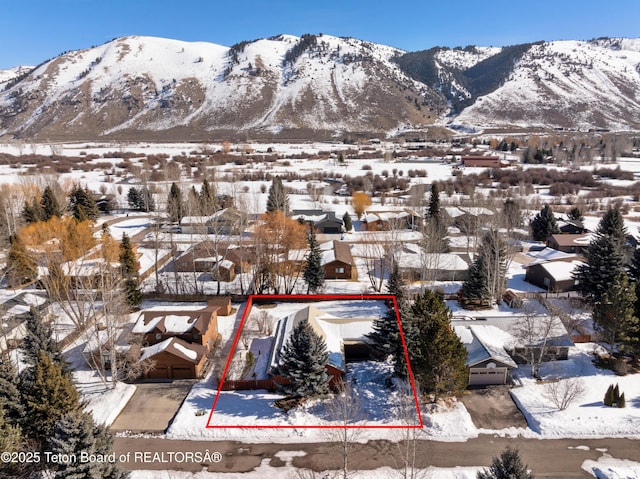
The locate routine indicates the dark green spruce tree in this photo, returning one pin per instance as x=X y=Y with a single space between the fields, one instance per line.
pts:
x=313 y=272
x=175 y=204
x=32 y=211
x=50 y=204
x=605 y=260
x=10 y=400
x=302 y=362
x=39 y=340
x=75 y=433
x=277 y=199
x=82 y=204
x=129 y=271
x=436 y=354
x=346 y=219
x=474 y=292
x=46 y=398
x=508 y=466
x=544 y=224
x=385 y=336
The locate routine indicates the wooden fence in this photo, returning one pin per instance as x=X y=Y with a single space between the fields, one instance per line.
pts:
x=248 y=384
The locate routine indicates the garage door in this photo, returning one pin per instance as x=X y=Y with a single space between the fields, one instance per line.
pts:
x=487 y=376
x=159 y=373
x=182 y=373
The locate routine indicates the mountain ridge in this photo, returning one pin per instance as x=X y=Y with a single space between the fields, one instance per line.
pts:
x=317 y=86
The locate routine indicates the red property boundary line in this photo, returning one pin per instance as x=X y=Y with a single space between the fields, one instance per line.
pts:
x=309 y=299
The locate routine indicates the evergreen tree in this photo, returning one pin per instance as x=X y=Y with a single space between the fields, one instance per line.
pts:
x=613 y=315
x=175 y=204
x=612 y=224
x=433 y=212
x=82 y=204
x=303 y=361
x=608 y=396
x=50 y=204
x=39 y=340
x=508 y=466
x=133 y=198
x=128 y=261
x=385 y=335
x=74 y=433
x=634 y=267
x=207 y=199
x=10 y=401
x=47 y=398
x=436 y=354
x=313 y=272
x=129 y=270
x=32 y=211
x=396 y=284
x=475 y=292
x=346 y=219
x=104 y=446
x=21 y=268
x=575 y=214
x=544 y=224
x=277 y=199
x=11 y=440
x=604 y=261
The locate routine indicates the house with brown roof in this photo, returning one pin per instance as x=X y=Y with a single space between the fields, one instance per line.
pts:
x=175 y=358
x=482 y=161
x=570 y=243
x=337 y=261
x=198 y=327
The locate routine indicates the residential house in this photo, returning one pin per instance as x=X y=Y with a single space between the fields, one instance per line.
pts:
x=488 y=364
x=324 y=222
x=223 y=222
x=405 y=218
x=413 y=264
x=203 y=257
x=570 y=243
x=193 y=326
x=175 y=358
x=337 y=261
x=340 y=335
x=482 y=161
x=504 y=334
x=554 y=276
x=567 y=226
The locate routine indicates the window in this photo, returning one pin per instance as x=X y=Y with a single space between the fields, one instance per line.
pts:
x=158 y=335
x=339 y=270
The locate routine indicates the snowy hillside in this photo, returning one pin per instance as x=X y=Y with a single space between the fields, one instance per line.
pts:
x=152 y=84
x=317 y=86
x=567 y=84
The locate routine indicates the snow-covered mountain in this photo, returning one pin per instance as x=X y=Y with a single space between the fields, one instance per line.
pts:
x=317 y=85
x=568 y=84
x=157 y=87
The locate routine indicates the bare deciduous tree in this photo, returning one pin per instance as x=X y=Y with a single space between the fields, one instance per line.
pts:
x=344 y=411
x=565 y=392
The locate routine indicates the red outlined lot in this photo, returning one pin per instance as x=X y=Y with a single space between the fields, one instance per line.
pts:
x=314 y=299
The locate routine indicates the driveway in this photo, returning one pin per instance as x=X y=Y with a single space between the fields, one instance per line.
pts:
x=493 y=408
x=152 y=407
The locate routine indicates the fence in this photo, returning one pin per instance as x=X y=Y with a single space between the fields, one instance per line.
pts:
x=248 y=384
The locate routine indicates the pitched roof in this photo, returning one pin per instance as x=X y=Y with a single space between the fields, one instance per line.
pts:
x=173 y=322
x=479 y=346
x=192 y=353
x=339 y=252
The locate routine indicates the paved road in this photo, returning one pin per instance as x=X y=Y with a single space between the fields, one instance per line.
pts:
x=561 y=458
